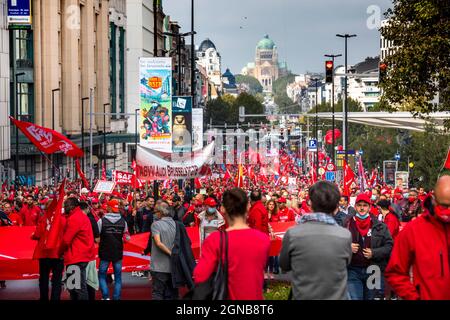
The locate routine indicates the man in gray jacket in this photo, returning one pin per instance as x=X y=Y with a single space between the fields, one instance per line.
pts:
x=318 y=250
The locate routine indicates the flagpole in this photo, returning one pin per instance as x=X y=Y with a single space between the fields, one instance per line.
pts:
x=51 y=162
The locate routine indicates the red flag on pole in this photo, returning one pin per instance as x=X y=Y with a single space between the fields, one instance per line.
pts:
x=349 y=178
x=53 y=230
x=447 y=161
x=47 y=140
x=83 y=177
x=240 y=177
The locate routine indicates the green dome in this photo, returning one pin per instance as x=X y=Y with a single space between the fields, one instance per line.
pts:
x=265 y=43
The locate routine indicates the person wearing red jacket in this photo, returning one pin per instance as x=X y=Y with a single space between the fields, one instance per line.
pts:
x=390 y=219
x=78 y=247
x=258 y=218
x=284 y=213
x=424 y=245
x=50 y=259
x=12 y=215
x=30 y=213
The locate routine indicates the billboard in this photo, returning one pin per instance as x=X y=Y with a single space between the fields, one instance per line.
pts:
x=19 y=12
x=155 y=90
x=197 y=129
x=389 y=169
x=181 y=124
x=401 y=179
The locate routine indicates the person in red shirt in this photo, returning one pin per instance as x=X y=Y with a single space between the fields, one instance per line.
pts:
x=15 y=218
x=258 y=218
x=424 y=246
x=77 y=245
x=422 y=195
x=285 y=214
x=389 y=218
x=30 y=213
x=248 y=250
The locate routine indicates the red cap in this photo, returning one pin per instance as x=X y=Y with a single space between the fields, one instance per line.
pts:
x=114 y=205
x=282 y=200
x=95 y=200
x=43 y=201
x=210 y=202
x=363 y=197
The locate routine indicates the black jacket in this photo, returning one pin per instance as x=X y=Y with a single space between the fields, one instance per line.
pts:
x=182 y=259
x=381 y=242
x=340 y=218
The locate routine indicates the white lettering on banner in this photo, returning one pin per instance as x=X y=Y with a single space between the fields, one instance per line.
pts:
x=65 y=147
x=40 y=134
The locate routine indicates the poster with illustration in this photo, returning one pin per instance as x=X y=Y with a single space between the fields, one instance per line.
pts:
x=155 y=91
x=181 y=124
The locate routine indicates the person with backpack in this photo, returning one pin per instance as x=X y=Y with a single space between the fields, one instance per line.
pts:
x=112 y=228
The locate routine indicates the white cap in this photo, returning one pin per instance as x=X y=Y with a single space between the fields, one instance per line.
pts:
x=84 y=190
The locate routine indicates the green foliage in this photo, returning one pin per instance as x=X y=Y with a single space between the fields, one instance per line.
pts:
x=279 y=91
x=277 y=291
x=420 y=66
x=225 y=109
x=253 y=83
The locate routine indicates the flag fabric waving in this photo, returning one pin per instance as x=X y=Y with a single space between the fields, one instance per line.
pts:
x=47 y=140
x=82 y=176
x=54 y=229
x=349 y=178
x=447 y=161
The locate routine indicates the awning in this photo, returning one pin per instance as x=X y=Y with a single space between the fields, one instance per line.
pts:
x=398 y=120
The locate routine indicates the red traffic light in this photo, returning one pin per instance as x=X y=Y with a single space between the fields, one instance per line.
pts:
x=329 y=65
x=383 y=66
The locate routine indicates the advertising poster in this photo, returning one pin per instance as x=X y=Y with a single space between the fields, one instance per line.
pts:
x=401 y=179
x=197 y=129
x=155 y=90
x=181 y=124
x=389 y=169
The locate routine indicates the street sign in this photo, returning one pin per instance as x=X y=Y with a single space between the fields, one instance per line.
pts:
x=330 y=176
x=321 y=171
x=312 y=145
x=397 y=156
x=331 y=167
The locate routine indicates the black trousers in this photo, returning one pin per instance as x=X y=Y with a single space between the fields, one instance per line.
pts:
x=162 y=288
x=56 y=267
x=80 y=291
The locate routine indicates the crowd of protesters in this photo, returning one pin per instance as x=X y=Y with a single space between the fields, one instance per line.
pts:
x=336 y=246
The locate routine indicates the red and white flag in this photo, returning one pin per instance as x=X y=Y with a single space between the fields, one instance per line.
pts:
x=349 y=179
x=447 y=161
x=47 y=140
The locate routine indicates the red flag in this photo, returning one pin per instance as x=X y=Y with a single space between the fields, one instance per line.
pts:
x=53 y=230
x=447 y=161
x=78 y=167
x=47 y=140
x=349 y=178
x=103 y=171
x=329 y=136
x=198 y=185
x=239 y=183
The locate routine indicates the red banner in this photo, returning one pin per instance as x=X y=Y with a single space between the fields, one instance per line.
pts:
x=17 y=248
x=82 y=176
x=48 y=140
x=123 y=178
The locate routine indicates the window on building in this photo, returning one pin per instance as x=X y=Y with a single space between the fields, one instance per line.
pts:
x=24 y=48
x=122 y=69
x=113 y=66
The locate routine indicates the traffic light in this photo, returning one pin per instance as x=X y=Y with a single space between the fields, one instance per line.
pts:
x=382 y=70
x=329 y=71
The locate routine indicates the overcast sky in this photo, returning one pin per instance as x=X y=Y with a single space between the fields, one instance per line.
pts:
x=303 y=30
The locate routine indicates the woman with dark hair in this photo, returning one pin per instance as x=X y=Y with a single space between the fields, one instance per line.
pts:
x=248 y=251
x=272 y=209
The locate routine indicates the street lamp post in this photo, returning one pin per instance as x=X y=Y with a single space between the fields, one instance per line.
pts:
x=332 y=56
x=193 y=84
x=82 y=131
x=345 y=110
x=137 y=132
x=16 y=160
x=104 y=132
x=316 y=80
x=53 y=126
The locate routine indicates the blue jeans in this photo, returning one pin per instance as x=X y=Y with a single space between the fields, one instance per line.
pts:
x=357 y=284
x=102 y=271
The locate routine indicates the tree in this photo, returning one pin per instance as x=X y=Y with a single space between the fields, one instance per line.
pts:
x=419 y=67
x=251 y=105
x=253 y=83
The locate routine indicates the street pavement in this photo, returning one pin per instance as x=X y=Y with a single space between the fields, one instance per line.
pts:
x=133 y=288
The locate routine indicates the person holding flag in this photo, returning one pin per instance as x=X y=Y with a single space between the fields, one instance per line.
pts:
x=48 y=233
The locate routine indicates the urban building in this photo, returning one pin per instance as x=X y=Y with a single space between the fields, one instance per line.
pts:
x=5 y=144
x=209 y=58
x=266 y=67
x=61 y=72
x=386 y=46
x=229 y=83
x=364 y=86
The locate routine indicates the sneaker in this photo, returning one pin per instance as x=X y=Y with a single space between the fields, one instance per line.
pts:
x=106 y=299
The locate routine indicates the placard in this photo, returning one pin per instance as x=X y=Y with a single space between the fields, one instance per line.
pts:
x=104 y=186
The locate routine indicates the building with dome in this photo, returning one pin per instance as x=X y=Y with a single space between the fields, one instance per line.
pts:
x=266 y=67
x=209 y=58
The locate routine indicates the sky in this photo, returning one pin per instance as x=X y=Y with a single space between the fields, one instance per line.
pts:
x=303 y=30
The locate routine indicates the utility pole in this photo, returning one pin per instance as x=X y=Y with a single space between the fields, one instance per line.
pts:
x=104 y=132
x=91 y=142
x=345 y=108
x=332 y=56
x=193 y=84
